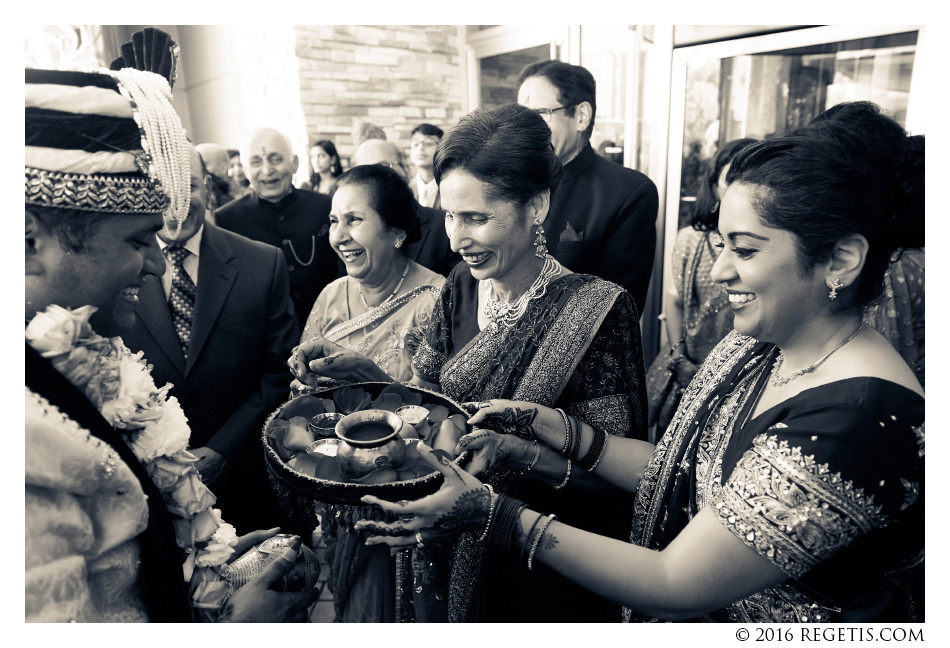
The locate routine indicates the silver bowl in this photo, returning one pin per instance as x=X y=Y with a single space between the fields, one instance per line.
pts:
x=358 y=457
x=324 y=425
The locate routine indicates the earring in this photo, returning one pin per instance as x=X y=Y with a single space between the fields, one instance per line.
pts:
x=834 y=285
x=398 y=244
x=540 y=244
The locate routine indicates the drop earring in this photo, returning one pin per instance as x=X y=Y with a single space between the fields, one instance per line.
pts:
x=540 y=245
x=835 y=285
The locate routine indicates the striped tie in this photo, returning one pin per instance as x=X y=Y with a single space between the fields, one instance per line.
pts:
x=181 y=299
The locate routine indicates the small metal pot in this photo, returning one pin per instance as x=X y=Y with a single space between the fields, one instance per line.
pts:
x=357 y=458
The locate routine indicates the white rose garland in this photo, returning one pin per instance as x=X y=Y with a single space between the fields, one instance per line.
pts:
x=120 y=385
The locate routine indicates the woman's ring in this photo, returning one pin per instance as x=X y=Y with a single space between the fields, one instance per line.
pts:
x=484 y=404
x=419 y=542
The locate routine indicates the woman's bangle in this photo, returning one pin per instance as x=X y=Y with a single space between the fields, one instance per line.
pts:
x=491 y=512
x=567 y=476
x=537 y=539
x=594 y=451
x=507 y=514
x=603 y=450
x=537 y=455
x=576 y=444
x=527 y=538
x=567 y=431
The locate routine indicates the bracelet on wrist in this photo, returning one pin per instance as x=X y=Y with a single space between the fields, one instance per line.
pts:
x=493 y=498
x=537 y=540
x=567 y=431
x=594 y=450
x=537 y=455
x=527 y=538
x=567 y=477
x=603 y=450
x=576 y=445
x=507 y=513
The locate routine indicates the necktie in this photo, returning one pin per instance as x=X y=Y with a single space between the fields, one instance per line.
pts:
x=181 y=299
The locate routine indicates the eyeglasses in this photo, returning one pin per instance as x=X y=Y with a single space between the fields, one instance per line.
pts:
x=547 y=112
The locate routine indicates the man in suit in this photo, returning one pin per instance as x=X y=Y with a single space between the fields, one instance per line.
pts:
x=279 y=214
x=423 y=141
x=227 y=364
x=432 y=250
x=602 y=219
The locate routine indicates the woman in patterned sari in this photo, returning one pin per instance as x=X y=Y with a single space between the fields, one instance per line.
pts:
x=789 y=486
x=512 y=323
x=379 y=309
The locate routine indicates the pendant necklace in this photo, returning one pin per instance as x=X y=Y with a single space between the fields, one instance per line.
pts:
x=393 y=294
x=778 y=381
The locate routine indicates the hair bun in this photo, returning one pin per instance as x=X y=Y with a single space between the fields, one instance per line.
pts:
x=908 y=230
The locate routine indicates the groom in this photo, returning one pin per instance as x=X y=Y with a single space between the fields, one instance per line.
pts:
x=99 y=540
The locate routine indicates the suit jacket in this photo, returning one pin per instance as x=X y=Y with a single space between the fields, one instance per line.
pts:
x=432 y=250
x=299 y=224
x=437 y=204
x=243 y=332
x=611 y=211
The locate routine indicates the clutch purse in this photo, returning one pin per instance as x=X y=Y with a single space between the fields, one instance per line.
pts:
x=302 y=576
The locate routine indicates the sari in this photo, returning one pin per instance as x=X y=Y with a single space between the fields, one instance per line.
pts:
x=360 y=577
x=706 y=319
x=827 y=485
x=576 y=347
x=387 y=334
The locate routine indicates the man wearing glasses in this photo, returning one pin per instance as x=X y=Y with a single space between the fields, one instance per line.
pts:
x=422 y=144
x=602 y=219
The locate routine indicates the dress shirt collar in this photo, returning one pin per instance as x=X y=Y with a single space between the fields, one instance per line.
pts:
x=193 y=244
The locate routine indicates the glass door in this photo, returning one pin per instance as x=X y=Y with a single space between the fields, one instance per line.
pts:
x=496 y=54
x=761 y=87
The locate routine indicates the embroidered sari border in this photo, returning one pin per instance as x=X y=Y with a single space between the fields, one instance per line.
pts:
x=377 y=314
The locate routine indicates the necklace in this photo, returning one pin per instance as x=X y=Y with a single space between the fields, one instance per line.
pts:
x=778 y=381
x=507 y=313
x=393 y=294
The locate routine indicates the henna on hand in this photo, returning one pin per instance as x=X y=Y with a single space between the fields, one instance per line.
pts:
x=513 y=421
x=470 y=511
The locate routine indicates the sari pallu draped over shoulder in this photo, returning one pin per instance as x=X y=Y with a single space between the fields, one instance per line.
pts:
x=576 y=347
x=827 y=485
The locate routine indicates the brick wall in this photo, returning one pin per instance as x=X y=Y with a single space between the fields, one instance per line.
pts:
x=395 y=77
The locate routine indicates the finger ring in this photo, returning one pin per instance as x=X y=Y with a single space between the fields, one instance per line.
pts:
x=484 y=404
x=419 y=542
x=407 y=518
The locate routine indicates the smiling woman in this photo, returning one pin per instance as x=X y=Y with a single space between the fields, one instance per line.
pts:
x=511 y=322
x=789 y=485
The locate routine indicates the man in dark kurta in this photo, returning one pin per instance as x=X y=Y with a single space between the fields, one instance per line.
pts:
x=602 y=219
x=277 y=213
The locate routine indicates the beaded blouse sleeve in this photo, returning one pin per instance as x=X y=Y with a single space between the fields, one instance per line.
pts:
x=816 y=481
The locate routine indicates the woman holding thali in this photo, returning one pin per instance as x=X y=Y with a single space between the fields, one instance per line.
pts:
x=789 y=485
x=512 y=323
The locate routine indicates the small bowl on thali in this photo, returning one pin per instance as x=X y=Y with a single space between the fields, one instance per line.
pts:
x=302 y=494
x=326 y=447
x=324 y=425
x=412 y=414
